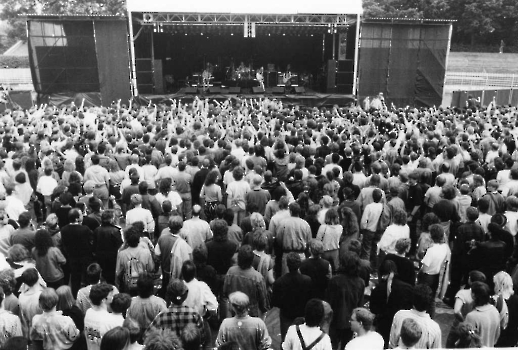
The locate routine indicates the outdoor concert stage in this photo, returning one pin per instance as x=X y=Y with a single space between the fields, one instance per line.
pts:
x=308 y=98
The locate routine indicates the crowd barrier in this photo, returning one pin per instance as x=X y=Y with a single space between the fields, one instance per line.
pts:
x=503 y=97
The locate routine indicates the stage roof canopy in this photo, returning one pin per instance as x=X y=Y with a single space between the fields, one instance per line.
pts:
x=342 y=7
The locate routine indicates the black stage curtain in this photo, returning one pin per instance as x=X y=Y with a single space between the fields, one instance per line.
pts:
x=407 y=62
x=62 y=56
x=111 y=43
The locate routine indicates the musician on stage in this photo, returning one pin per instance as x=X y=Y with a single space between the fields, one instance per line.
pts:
x=259 y=75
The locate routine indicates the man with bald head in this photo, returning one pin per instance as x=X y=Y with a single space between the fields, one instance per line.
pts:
x=195 y=230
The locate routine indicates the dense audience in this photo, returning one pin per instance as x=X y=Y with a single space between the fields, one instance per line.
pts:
x=181 y=226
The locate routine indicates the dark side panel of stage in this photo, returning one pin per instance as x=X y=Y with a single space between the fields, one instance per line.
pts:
x=80 y=55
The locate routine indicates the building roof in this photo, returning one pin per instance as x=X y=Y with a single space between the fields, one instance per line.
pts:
x=248 y=7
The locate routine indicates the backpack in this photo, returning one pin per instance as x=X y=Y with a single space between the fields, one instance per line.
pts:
x=134 y=268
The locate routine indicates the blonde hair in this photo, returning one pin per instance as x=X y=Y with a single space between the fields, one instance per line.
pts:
x=503 y=284
x=257 y=221
x=65 y=298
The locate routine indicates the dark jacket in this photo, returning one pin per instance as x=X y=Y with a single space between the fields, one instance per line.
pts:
x=344 y=294
x=290 y=294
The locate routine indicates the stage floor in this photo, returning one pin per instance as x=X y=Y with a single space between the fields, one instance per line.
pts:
x=308 y=98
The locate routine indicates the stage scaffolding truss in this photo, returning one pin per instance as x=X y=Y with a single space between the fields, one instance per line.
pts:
x=149 y=18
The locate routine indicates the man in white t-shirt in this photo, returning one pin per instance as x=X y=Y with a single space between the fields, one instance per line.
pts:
x=361 y=324
x=98 y=320
x=434 y=258
x=46 y=185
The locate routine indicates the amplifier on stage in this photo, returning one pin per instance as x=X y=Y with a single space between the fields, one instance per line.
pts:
x=271 y=79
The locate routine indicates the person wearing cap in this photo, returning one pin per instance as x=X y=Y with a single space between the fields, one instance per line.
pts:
x=178 y=315
x=101 y=178
x=196 y=231
x=247 y=331
x=140 y=214
x=258 y=195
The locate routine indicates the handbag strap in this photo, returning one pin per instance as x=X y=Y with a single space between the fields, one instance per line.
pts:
x=303 y=344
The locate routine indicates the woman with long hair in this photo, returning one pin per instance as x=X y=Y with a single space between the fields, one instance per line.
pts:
x=330 y=234
x=116 y=177
x=351 y=229
x=67 y=306
x=504 y=294
x=49 y=259
x=166 y=192
x=211 y=195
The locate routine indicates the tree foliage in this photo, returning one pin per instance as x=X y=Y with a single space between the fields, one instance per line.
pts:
x=14 y=10
x=477 y=21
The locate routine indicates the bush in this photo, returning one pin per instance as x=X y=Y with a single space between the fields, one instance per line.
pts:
x=458 y=47
x=14 y=62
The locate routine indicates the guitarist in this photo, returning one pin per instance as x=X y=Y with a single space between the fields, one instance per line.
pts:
x=259 y=75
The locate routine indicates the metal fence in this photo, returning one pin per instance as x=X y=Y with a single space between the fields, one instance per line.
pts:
x=15 y=76
x=481 y=80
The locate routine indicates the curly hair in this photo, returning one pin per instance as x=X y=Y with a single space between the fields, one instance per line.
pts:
x=399 y=217
x=18 y=253
x=43 y=242
x=349 y=220
x=8 y=281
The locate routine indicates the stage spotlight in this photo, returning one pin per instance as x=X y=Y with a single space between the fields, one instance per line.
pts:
x=148 y=17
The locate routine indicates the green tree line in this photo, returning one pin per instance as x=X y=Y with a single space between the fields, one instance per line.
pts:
x=478 y=22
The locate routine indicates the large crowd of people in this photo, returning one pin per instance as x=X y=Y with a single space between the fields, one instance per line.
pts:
x=181 y=226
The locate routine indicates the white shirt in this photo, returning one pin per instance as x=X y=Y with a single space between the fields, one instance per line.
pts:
x=370 y=216
x=435 y=257
x=200 y=297
x=512 y=222
x=370 y=340
x=13 y=207
x=196 y=232
x=309 y=334
x=390 y=237
x=141 y=214
x=97 y=324
x=46 y=185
